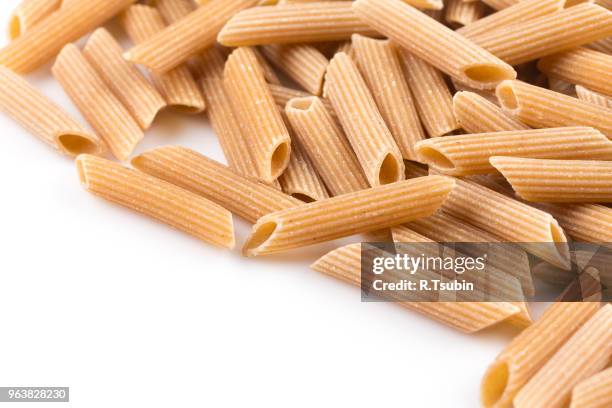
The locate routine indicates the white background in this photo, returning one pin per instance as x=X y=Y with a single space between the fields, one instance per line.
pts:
x=128 y=312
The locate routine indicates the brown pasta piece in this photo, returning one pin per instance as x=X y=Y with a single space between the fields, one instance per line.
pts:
x=29 y=13
x=539 y=107
x=476 y=114
x=179 y=88
x=381 y=68
x=326 y=145
x=293 y=23
x=40 y=44
x=268 y=137
x=100 y=107
x=158 y=199
x=433 y=42
x=431 y=95
x=365 y=128
x=197 y=31
x=242 y=195
x=141 y=99
x=43 y=118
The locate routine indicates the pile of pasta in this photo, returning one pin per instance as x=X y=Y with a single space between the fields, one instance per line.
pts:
x=407 y=120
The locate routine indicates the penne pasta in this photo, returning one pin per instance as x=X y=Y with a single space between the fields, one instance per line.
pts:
x=345 y=264
x=587 y=95
x=520 y=11
x=173 y=45
x=29 y=13
x=300 y=179
x=240 y=194
x=583 y=222
x=510 y=220
x=539 y=107
x=40 y=44
x=158 y=199
x=268 y=137
x=269 y=73
x=293 y=23
x=530 y=350
x=302 y=63
x=464 y=155
x=476 y=114
x=380 y=66
x=178 y=87
x=365 y=128
x=134 y=91
x=222 y=116
x=282 y=94
x=100 y=107
x=559 y=181
x=461 y=12
x=43 y=118
x=594 y=392
x=587 y=352
x=581 y=66
x=431 y=95
x=549 y=34
x=342 y=216
x=326 y=145
x=433 y=42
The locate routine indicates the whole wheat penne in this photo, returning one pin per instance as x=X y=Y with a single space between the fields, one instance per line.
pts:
x=140 y=98
x=594 y=392
x=293 y=23
x=461 y=12
x=365 y=128
x=326 y=145
x=300 y=179
x=558 y=181
x=43 y=118
x=269 y=73
x=549 y=34
x=581 y=66
x=178 y=87
x=242 y=195
x=100 y=107
x=268 y=137
x=40 y=44
x=476 y=114
x=342 y=216
x=431 y=95
x=488 y=94
x=195 y=32
x=442 y=227
x=539 y=107
x=511 y=220
x=605 y=3
x=345 y=264
x=301 y=62
x=593 y=97
x=587 y=352
x=158 y=199
x=530 y=350
x=464 y=155
x=29 y=13
x=433 y=42
x=381 y=68
x=222 y=116
x=518 y=12
x=583 y=222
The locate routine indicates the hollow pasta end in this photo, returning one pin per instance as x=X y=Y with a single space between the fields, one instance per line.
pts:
x=494 y=383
